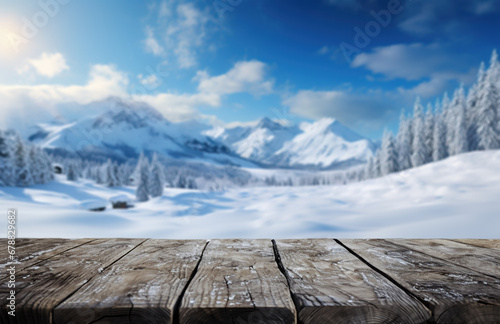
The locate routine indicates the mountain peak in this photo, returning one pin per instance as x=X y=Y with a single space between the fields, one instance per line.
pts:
x=269 y=124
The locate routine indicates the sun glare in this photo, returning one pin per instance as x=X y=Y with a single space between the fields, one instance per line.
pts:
x=11 y=42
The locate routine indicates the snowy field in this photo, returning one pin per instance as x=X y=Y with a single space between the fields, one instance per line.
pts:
x=455 y=198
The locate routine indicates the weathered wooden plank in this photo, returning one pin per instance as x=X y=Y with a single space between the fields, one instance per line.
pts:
x=490 y=244
x=483 y=260
x=453 y=293
x=331 y=285
x=238 y=281
x=142 y=287
x=42 y=287
x=30 y=251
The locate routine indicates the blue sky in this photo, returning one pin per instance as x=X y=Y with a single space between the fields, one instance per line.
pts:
x=239 y=60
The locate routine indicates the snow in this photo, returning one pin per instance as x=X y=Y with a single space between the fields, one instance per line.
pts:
x=92 y=204
x=119 y=198
x=453 y=198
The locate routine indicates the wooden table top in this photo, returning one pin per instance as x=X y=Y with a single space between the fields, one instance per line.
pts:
x=250 y=281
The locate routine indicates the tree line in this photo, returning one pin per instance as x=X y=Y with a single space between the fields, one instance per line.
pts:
x=464 y=123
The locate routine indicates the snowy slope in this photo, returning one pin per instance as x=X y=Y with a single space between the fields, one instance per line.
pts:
x=453 y=198
x=123 y=130
x=322 y=144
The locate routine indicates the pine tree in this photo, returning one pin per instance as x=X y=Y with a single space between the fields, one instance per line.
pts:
x=459 y=129
x=48 y=174
x=487 y=116
x=71 y=174
x=157 y=181
x=369 y=168
x=110 y=175
x=142 y=179
x=6 y=161
x=35 y=167
x=99 y=177
x=404 y=139
x=21 y=164
x=388 y=155
x=429 y=134
x=418 y=156
x=472 y=110
x=439 y=142
x=377 y=170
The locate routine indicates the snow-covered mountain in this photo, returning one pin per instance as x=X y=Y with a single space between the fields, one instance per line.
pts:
x=322 y=144
x=122 y=130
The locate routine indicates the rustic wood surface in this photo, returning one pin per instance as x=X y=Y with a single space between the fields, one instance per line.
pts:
x=42 y=287
x=330 y=285
x=143 y=287
x=253 y=281
x=454 y=294
x=490 y=244
x=30 y=251
x=238 y=282
x=483 y=260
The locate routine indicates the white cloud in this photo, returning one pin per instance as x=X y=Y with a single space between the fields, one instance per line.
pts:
x=445 y=17
x=151 y=43
x=182 y=30
x=48 y=65
x=245 y=76
x=405 y=61
x=19 y=103
x=180 y=107
x=352 y=109
x=22 y=104
x=429 y=64
x=149 y=82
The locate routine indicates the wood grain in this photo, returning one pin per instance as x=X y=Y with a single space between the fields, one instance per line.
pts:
x=30 y=251
x=42 y=287
x=238 y=282
x=453 y=293
x=483 y=260
x=142 y=287
x=331 y=285
x=490 y=244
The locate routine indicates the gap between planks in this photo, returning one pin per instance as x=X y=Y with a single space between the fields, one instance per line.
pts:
x=90 y=279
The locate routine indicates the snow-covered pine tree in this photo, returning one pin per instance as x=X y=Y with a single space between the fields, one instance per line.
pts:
x=388 y=154
x=6 y=161
x=445 y=106
x=487 y=115
x=46 y=161
x=157 y=180
x=418 y=156
x=35 y=167
x=404 y=139
x=472 y=109
x=439 y=142
x=459 y=129
x=377 y=170
x=429 y=133
x=142 y=179
x=99 y=174
x=117 y=176
x=191 y=184
x=369 y=168
x=22 y=175
x=71 y=174
x=181 y=181
x=109 y=175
